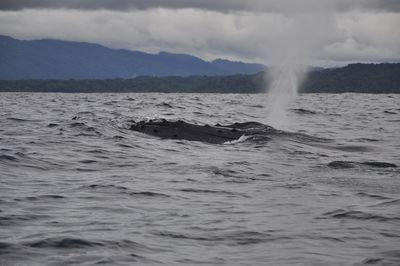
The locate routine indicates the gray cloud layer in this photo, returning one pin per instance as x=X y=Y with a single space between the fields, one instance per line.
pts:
x=342 y=37
x=329 y=32
x=216 y=5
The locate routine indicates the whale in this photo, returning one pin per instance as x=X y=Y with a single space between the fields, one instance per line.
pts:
x=215 y=134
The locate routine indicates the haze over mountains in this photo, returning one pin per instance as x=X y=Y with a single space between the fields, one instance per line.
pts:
x=55 y=59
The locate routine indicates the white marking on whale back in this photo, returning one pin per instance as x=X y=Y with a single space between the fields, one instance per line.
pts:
x=241 y=139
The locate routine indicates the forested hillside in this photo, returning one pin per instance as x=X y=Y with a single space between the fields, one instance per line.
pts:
x=363 y=78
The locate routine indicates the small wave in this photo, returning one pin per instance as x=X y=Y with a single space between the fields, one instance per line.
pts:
x=303 y=111
x=224 y=172
x=64 y=243
x=184 y=236
x=234 y=176
x=370 y=261
x=6 y=249
x=256 y=106
x=4 y=246
x=164 y=104
x=367 y=140
x=149 y=194
x=341 y=164
x=352 y=148
x=97 y=151
x=5 y=157
x=391 y=257
x=230 y=238
x=380 y=164
x=6 y=220
x=296 y=185
x=197 y=113
x=391 y=234
x=85 y=113
x=125 y=190
x=99 y=186
x=74 y=243
x=357 y=215
x=110 y=103
x=88 y=161
x=234 y=102
x=84 y=129
x=79 y=169
x=212 y=261
x=388 y=203
x=52 y=125
x=43 y=197
x=16 y=119
x=393 y=120
x=351 y=164
x=193 y=190
x=77 y=124
x=123 y=145
x=390 y=112
x=209 y=191
x=364 y=194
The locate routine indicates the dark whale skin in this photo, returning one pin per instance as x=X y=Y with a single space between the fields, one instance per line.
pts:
x=186 y=131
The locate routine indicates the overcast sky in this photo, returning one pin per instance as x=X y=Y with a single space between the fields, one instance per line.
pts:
x=328 y=32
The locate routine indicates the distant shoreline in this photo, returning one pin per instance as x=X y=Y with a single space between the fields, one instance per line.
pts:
x=356 y=78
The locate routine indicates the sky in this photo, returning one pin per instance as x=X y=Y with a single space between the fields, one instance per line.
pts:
x=319 y=32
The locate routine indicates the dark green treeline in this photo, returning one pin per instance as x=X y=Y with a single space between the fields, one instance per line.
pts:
x=362 y=78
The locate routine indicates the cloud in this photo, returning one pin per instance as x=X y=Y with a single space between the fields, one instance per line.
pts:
x=366 y=37
x=247 y=36
x=327 y=32
x=220 y=5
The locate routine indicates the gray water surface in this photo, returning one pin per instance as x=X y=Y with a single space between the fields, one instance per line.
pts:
x=78 y=187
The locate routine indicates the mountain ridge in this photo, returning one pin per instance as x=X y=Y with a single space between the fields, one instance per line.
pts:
x=58 y=59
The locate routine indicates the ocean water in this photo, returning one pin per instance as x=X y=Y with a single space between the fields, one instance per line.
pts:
x=77 y=187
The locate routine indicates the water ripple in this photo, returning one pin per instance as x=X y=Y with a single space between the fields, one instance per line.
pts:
x=78 y=187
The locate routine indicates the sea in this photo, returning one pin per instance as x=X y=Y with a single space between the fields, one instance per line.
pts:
x=78 y=187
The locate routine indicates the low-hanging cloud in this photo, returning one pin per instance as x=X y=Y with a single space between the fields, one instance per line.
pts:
x=220 y=5
x=332 y=32
x=247 y=36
